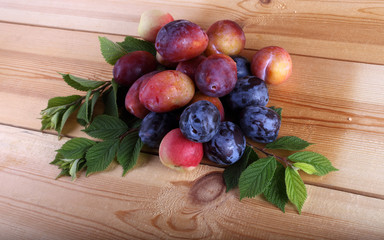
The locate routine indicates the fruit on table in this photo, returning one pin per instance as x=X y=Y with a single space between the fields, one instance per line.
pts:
x=189 y=67
x=132 y=66
x=167 y=91
x=243 y=66
x=227 y=146
x=214 y=100
x=225 y=36
x=261 y=124
x=164 y=62
x=272 y=64
x=177 y=152
x=155 y=126
x=132 y=101
x=200 y=121
x=248 y=91
x=181 y=40
x=216 y=76
x=151 y=22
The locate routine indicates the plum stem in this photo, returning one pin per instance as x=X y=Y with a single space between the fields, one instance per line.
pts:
x=282 y=160
x=128 y=132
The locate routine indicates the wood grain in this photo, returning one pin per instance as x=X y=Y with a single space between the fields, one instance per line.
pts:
x=339 y=110
x=347 y=30
x=154 y=202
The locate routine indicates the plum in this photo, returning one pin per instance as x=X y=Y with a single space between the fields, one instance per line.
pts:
x=167 y=91
x=132 y=66
x=151 y=21
x=272 y=64
x=177 y=152
x=189 y=67
x=181 y=40
x=226 y=37
x=214 y=100
x=216 y=76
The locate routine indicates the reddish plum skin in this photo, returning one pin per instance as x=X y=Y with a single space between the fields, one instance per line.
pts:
x=214 y=100
x=225 y=37
x=189 y=67
x=132 y=66
x=132 y=102
x=216 y=76
x=179 y=153
x=272 y=64
x=151 y=22
x=164 y=62
x=167 y=91
x=181 y=40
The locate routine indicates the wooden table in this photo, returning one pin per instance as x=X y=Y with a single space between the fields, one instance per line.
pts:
x=335 y=98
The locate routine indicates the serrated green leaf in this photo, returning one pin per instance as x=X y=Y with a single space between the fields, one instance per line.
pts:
x=110 y=100
x=255 y=178
x=81 y=83
x=66 y=115
x=291 y=143
x=131 y=44
x=110 y=50
x=128 y=151
x=106 y=127
x=308 y=168
x=296 y=191
x=322 y=165
x=75 y=148
x=83 y=116
x=275 y=192
x=101 y=155
x=232 y=173
x=277 y=110
x=92 y=104
x=60 y=101
x=73 y=169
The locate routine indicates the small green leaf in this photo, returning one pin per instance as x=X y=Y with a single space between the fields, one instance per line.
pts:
x=110 y=100
x=62 y=101
x=73 y=169
x=83 y=116
x=232 y=173
x=101 y=155
x=81 y=83
x=75 y=148
x=308 y=168
x=95 y=97
x=131 y=44
x=106 y=127
x=66 y=115
x=128 y=151
x=277 y=110
x=296 y=191
x=291 y=143
x=275 y=192
x=111 y=51
x=322 y=165
x=256 y=177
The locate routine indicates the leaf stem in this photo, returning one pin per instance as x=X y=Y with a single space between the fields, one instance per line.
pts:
x=282 y=160
x=128 y=132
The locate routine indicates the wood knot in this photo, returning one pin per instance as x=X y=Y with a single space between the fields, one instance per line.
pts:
x=207 y=188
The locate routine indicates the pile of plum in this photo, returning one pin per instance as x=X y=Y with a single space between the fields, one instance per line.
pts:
x=207 y=98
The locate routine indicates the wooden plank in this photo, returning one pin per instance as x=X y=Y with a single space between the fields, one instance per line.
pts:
x=155 y=202
x=330 y=29
x=339 y=110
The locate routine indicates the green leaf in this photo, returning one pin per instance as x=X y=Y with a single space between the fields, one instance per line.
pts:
x=75 y=148
x=83 y=116
x=81 y=83
x=106 y=127
x=62 y=101
x=308 y=168
x=66 y=115
x=322 y=165
x=291 y=143
x=73 y=169
x=129 y=150
x=110 y=100
x=131 y=44
x=296 y=191
x=232 y=173
x=277 y=110
x=111 y=51
x=95 y=97
x=275 y=192
x=101 y=155
x=256 y=177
